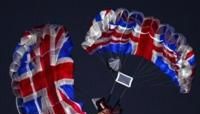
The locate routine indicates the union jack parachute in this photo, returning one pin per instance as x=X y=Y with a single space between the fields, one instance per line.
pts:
x=121 y=33
x=42 y=72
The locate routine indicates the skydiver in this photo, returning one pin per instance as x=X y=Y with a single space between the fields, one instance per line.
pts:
x=104 y=108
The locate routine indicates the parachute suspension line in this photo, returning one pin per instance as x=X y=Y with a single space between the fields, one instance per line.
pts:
x=124 y=62
x=153 y=72
x=148 y=80
x=123 y=93
x=166 y=83
x=105 y=64
x=111 y=92
x=162 y=83
x=146 y=64
x=100 y=57
x=148 y=71
x=120 y=97
x=105 y=59
x=138 y=66
x=113 y=87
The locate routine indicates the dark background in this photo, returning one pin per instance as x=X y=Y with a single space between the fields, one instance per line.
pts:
x=92 y=77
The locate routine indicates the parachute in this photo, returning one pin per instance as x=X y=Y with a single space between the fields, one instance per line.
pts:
x=121 y=33
x=42 y=72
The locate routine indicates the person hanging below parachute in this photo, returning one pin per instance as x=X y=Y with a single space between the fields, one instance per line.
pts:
x=115 y=34
x=42 y=72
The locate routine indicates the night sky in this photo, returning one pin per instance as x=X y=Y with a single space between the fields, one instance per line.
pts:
x=148 y=95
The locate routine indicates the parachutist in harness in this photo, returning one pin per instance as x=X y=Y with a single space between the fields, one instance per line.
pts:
x=104 y=108
x=111 y=104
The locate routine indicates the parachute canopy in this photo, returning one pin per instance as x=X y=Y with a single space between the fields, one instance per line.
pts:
x=122 y=33
x=42 y=72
